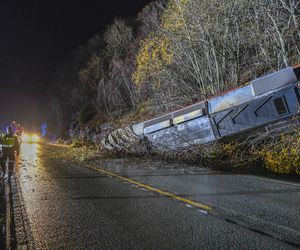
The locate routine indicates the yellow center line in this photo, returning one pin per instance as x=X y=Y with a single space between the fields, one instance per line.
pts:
x=155 y=190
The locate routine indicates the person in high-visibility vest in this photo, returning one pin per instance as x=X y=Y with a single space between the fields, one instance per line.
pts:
x=10 y=147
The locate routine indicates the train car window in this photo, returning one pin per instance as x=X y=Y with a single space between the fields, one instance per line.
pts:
x=280 y=105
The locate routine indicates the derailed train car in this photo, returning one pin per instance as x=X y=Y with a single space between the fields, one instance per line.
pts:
x=263 y=101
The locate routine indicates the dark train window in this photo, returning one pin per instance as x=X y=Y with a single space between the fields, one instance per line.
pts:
x=280 y=106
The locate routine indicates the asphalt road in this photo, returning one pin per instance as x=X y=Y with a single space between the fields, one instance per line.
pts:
x=116 y=207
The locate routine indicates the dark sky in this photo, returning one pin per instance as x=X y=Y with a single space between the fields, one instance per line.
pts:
x=35 y=35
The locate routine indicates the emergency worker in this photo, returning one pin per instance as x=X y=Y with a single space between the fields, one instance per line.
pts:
x=10 y=146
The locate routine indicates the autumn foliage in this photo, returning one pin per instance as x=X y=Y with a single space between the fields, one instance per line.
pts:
x=284 y=156
x=154 y=55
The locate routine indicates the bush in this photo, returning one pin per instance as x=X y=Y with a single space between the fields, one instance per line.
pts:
x=284 y=156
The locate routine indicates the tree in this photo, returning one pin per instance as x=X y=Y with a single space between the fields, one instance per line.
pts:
x=217 y=45
x=154 y=55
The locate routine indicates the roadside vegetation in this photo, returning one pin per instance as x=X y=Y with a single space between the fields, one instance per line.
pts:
x=283 y=156
x=172 y=54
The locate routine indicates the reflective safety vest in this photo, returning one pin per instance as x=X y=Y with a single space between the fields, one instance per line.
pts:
x=8 y=142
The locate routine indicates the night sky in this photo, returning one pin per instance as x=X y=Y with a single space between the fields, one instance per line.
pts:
x=35 y=35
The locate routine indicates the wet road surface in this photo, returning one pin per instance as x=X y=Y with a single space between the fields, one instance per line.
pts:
x=76 y=207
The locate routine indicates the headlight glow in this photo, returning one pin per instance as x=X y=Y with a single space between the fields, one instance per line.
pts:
x=35 y=138
x=30 y=138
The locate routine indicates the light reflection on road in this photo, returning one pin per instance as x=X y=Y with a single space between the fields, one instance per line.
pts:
x=27 y=166
x=29 y=153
